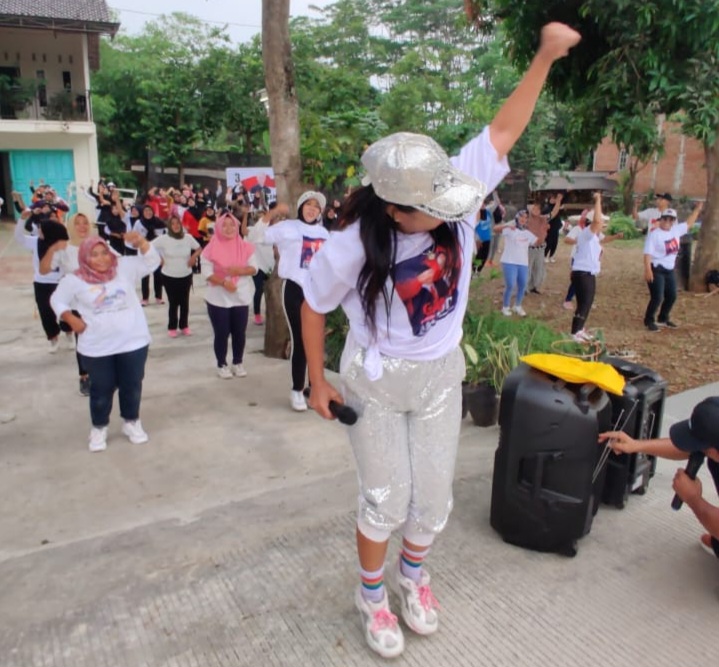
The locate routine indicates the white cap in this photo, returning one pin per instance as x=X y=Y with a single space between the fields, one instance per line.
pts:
x=413 y=170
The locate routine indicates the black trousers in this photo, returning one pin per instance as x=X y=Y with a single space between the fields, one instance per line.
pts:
x=228 y=322
x=552 y=242
x=259 y=279
x=585 y=286
x=714 y=470
x=50 y=324
x=292 y=299
x=662 y=292
x=178 y=296
x=482 y=254
x=157 y=284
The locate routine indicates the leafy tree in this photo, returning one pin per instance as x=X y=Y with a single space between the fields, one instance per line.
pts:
x=637 y=59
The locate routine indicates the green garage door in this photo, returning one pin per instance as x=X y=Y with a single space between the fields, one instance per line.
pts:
x=54 y=167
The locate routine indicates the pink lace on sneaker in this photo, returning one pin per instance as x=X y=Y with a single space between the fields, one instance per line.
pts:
x=426 y=598
x=383 y=619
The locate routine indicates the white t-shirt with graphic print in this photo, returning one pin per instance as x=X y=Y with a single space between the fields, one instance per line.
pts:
x=427 y=307
x=663 y=246
x=115 y=319
x=297 y=243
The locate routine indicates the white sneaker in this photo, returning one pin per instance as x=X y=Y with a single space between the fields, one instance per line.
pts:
x=133 y=430
x=419 y=606
x=239 y=370
x=224 y=372
x=98 y=439
x=54 y=345
x=507 y=311
x=70 y=340
x=520 y=311
x=298 y=402
x=381 y=629
x=582 y=336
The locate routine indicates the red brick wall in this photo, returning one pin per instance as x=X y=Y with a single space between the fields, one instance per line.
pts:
x=692 y=185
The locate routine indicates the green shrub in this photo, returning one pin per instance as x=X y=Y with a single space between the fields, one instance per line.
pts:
x=618 y=222
x=336 y=328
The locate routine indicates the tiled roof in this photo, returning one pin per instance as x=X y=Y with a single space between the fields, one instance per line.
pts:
x=94 y=11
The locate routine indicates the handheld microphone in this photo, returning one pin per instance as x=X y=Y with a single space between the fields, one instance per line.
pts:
x=344 y=413
x=695 y=462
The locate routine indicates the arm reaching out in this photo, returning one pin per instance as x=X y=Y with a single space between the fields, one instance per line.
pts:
x=516 y=112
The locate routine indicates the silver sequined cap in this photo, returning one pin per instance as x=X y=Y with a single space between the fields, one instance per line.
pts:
x=413 y=170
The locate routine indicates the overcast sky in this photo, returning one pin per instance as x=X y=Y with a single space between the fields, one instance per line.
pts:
x=244 y=17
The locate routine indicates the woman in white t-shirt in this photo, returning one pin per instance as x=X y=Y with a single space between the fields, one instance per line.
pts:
x=179 y=252
x=585 y=268
x=400 y=266
x=228 y=266
x=113 y=336
x=515 y=261
x=265 y=253
x=660 y=257
x=63 y=257
x=297 y=242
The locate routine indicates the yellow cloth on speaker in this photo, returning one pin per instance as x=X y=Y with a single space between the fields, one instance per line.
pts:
x=578 y=371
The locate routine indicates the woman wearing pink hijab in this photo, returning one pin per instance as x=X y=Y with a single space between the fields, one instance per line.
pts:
x=112 y=332
x=228 y=266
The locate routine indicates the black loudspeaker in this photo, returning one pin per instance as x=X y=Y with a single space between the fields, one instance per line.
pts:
x=544 y=496
x=638 y=412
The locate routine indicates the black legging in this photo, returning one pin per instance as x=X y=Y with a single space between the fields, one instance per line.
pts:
x=178 y=296
x=292 y=299
x=259 y=279
x=157 y=280
x=552 y=242
x=43 y=292
x=662 y=292
x=585 y=285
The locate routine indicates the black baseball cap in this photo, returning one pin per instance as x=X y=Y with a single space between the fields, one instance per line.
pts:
x=701 y=430
x=665 y=195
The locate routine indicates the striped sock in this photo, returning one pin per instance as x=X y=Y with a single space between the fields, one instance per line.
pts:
x=410 y=562
x=372 y=585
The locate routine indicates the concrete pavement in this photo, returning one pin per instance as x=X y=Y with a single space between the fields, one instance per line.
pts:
x=228 y=539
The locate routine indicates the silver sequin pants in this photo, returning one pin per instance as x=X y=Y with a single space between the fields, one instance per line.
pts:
x=405 y=443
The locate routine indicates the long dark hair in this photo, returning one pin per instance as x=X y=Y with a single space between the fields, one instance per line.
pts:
x=378 y=233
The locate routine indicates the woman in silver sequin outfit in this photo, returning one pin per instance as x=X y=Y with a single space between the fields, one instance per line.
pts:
x=400 y=266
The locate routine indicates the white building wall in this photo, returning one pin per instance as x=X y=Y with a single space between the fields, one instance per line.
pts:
x=51 y=52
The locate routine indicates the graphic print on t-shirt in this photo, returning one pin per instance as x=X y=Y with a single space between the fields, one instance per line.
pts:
x=107 y=302
x=671 y=246
x=427 y=285
x=309 y=247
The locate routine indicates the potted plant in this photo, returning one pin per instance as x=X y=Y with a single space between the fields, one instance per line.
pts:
x=478 y=396
x=16 y=94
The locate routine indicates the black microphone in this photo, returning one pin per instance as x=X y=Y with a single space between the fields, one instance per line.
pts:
x=344 y=413
x=695 y=462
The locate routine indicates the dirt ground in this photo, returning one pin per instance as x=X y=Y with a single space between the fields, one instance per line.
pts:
x=686 y=357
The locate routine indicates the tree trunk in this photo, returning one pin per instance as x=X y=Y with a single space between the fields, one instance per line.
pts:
x=284 y=143
x=282 y=98
x=277 y=335
x=706 y=256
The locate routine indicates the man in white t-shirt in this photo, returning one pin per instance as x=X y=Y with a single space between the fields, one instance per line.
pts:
x=648 y=218
x=660 y=257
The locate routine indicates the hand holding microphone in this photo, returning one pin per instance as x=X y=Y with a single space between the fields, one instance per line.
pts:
x=343 y=413
x=695 y=462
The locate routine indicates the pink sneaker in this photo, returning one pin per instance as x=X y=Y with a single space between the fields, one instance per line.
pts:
x=186 y=331
x=568 y=305
x=259 y=319
x=172 y=333
x=144 y=302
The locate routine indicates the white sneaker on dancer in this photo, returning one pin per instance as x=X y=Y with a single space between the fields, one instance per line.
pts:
x=224 y=373
x=54 y=345
x=507 y=311
x=70 y=340
x=98 y=439
x=418 y=604
x=133 y=430
x=297 y=401
x=520 y=311
x=239 y=370
x=381 y=629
